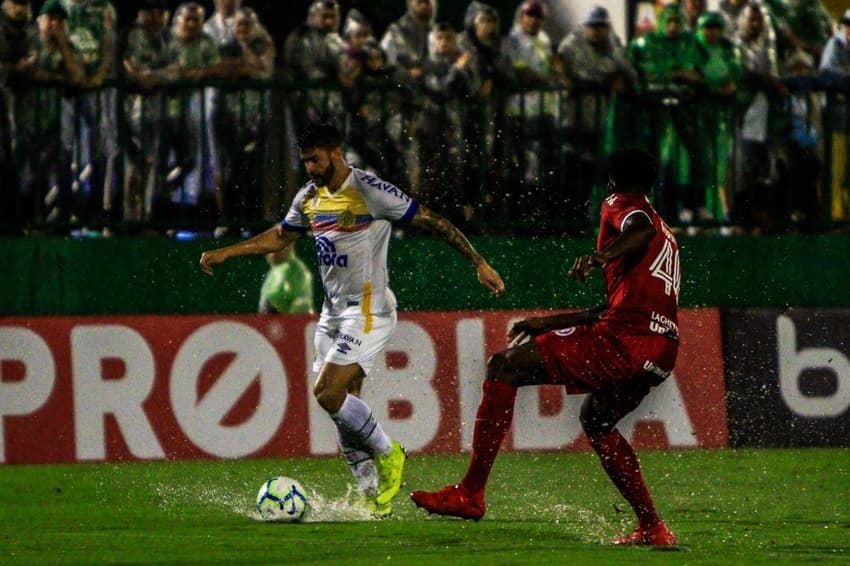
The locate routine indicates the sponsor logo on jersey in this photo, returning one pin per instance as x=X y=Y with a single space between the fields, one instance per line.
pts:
x=343 y=348
x=326 y=251
x=374 y=182
x=350 y=339
x=660 y=324
x=652 y=368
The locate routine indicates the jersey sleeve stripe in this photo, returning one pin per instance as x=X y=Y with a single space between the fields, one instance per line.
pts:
x=626 y=217
x=411 y=212
x=291 y=228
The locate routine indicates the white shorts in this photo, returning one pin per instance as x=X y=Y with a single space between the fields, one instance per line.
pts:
x=344 y=340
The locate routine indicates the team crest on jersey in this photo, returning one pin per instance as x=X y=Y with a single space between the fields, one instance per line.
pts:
x=346 y=219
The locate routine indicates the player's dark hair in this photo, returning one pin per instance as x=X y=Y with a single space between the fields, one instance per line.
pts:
x=324 y=136
x=323 y=5
x=442 y=27
x=633 y=170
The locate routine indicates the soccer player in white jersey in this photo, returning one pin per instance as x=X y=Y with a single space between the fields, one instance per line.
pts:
x=350 y=213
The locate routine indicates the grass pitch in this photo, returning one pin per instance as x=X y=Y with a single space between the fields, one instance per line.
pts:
x=727 y=507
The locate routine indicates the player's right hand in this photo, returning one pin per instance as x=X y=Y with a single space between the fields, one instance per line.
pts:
x=209 y=259
x=491 y=279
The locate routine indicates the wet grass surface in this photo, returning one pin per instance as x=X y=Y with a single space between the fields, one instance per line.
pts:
x=726 y=506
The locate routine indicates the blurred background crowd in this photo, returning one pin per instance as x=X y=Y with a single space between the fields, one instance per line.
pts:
x=164 y=117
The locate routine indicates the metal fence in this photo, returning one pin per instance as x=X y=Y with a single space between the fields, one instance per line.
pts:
x=221 y=155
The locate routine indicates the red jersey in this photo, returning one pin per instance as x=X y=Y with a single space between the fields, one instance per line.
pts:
x=643 y=291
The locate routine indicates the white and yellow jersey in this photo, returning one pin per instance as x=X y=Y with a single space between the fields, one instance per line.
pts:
x=352 y=230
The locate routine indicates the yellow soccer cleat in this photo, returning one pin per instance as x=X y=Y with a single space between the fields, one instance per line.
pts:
x=390 y=467
x=380 y=511
x=368 y=506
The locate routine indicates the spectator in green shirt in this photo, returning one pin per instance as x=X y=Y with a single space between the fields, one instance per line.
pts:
x=288 y=286
x=668 y=64
x=145 y=57
x=193 y=56
x=43 y=156
x=809 y=26
x=721 y=71
x=91 y=121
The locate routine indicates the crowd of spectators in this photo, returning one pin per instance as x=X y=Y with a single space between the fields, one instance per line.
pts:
x=192 y=115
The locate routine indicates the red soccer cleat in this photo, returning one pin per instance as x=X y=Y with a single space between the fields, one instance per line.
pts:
x=452 y=500
x=635 y=538
x=656 y=535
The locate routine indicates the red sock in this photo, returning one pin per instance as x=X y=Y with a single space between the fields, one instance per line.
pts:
x=491 y=423
x=622 y=466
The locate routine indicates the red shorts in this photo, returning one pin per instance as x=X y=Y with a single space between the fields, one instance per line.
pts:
x=589 y=358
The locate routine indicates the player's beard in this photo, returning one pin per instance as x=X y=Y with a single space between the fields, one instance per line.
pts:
x=325 y=178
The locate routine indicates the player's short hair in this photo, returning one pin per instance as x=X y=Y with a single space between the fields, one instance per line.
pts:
x=324 y=136
x=633 y=170
x=247 y=14
x=320 y=5
x=443 y=27
x=192 y=8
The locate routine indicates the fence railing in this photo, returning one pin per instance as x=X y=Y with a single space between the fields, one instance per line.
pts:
x=196 y=156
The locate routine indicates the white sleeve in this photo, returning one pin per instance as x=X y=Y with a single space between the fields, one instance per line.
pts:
x=295 y=219
x=385 y=200
x=630 y=214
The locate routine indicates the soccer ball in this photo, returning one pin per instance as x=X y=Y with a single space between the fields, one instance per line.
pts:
x=282 y=499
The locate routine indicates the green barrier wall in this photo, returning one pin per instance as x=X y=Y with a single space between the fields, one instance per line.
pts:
x=46 y=276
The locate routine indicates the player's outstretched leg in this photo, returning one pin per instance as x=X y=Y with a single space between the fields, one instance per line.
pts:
x=620 y=462
x=363 y=433
x=466 y=499
x=376 y=461
x=520 y=365
x=362 y=466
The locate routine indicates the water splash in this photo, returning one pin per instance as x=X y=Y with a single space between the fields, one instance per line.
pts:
x=350 y=507
x=586 y=524
x=241 y=501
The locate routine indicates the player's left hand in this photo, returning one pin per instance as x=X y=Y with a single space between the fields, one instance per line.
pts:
x=525 y=329
x=583 y=266
x=490 y=278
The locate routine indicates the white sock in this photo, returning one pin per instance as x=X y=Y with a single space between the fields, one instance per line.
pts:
x=359 y=461
x=356 y=418
x=366 y=475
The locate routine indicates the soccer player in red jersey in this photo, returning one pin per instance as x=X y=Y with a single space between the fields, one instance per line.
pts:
x=615 y=353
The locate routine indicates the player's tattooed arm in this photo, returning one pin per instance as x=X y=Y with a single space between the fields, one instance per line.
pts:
x=430 y=220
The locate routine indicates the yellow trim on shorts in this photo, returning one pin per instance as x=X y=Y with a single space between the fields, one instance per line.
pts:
x=367 y=306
